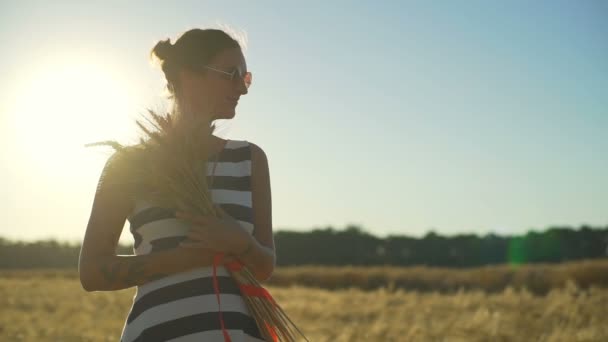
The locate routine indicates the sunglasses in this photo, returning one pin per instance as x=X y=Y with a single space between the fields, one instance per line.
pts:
x=235 y=74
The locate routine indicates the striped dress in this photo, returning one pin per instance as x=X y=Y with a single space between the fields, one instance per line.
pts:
x=183 y=307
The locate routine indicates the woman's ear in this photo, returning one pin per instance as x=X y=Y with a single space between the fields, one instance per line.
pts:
x=190 y=81
x=187 y=83
x=184 y=78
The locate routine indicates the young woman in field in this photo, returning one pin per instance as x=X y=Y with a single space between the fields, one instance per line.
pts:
x=206 y=75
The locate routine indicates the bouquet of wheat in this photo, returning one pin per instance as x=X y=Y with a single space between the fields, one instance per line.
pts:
x=168 y=167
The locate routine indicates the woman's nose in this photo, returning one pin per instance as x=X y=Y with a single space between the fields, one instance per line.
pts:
x=242 y=87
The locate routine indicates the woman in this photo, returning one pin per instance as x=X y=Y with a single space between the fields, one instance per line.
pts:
x=206 y=74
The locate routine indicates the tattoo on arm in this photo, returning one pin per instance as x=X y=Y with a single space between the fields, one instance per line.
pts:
x=110 y=271
x=134 y=276
x=135 y=272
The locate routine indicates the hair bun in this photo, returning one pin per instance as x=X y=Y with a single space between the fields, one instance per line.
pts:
x=163 y=50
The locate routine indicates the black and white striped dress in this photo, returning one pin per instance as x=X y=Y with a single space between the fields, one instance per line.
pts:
x=183 y=307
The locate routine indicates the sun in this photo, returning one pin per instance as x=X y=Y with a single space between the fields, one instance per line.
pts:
x=63 y=106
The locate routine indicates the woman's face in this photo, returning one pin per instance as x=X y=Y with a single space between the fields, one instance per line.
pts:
x=211 y=92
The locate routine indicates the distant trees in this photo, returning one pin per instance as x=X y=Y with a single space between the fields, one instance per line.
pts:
x=354 y=246
x=43 y=254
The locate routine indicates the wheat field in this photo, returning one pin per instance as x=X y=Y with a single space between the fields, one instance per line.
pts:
x=47 y=306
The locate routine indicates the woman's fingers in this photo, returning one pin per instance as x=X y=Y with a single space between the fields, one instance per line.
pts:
x=198 y=233
x=229 y=258
x=190 y=243
x=210 y=231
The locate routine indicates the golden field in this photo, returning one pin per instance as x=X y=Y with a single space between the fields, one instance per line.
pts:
x=536 y=278
x=50 y=305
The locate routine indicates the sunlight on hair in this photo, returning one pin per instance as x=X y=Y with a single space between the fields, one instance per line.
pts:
x=238 y=34
x=61 y=107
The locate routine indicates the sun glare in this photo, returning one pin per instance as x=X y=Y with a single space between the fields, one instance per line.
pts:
x=64 y=106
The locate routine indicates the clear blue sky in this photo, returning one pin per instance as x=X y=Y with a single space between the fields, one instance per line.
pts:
x=461 y=117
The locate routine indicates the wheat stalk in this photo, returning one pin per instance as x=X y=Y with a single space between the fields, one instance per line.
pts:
x=168 y=167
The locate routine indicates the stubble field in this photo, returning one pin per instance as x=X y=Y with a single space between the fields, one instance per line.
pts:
x=47 y=305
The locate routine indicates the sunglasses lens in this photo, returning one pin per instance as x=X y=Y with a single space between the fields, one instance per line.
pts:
x=247 y=78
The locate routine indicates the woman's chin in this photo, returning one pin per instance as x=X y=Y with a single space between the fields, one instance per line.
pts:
x=226 y=114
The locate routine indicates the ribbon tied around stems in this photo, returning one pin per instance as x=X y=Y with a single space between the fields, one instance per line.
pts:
x=246 y=289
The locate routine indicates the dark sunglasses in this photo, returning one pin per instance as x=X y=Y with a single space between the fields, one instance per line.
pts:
x=234 y=74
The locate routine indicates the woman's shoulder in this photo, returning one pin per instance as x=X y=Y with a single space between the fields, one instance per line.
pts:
x=259 y=159
x=244 y=144
x=257 y=155
x=237 y=143
x=256 y=151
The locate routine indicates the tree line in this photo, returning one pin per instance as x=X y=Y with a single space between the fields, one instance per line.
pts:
x=355 y=246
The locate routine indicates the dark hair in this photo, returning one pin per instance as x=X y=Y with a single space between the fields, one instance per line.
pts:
x=191 y=50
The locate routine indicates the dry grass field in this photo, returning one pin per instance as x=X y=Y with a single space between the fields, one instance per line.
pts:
x=48 y=305
x=539 y=279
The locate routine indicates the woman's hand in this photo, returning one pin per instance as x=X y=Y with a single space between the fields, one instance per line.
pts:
x=222 y=234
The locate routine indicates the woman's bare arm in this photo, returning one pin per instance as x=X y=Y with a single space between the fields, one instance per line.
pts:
x=99 y=267
x=260 y=256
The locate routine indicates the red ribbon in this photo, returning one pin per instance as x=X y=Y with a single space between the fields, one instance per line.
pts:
x=217 y=259
x=256 y=291
x=248 y=290
x=234 y=265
